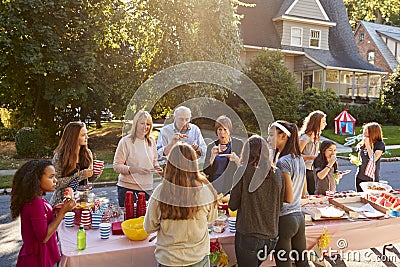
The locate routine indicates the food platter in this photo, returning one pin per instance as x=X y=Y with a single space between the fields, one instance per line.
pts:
x=331 y=212
x=375 y=187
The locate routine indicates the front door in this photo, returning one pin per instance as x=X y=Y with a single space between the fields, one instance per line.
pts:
x=307 y=81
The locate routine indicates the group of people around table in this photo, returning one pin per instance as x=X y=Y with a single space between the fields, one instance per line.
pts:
x=266 y=179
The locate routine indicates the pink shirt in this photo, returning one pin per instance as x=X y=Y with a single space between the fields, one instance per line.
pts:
x=35 y=217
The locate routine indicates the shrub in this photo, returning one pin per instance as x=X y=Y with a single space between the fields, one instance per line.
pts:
x=29 y=143
x=326 y=101
x=276 y=83
x=368 y=113
x=391 y=96
x=7 y=134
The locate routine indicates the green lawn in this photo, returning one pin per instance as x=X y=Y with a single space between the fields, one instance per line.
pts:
x=391 y=135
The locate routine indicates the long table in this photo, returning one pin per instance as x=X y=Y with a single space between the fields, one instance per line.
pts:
x=120 y=251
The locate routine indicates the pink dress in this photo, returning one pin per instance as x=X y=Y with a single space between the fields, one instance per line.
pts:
x=35 y=217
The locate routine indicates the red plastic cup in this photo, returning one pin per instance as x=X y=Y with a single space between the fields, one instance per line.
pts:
x=98 y=166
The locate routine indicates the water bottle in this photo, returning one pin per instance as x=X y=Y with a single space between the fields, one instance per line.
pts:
x=81 y=238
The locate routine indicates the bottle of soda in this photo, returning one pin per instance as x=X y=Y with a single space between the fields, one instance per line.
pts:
x=81 y=238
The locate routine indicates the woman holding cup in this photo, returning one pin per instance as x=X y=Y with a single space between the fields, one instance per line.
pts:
x=72 y=160
x=221 y=156
x=136 y=159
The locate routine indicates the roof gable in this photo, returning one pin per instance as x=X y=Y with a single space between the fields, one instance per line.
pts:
x=258 y=30
x=308 y=9
x=374 y=30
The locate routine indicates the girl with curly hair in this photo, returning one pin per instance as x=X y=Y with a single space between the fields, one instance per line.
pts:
x=38 y=224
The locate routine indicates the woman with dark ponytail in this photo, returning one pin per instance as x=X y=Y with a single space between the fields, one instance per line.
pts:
x=283 y=137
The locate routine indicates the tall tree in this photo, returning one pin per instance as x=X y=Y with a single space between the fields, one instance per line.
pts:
x=378 y=11
x=59 y=57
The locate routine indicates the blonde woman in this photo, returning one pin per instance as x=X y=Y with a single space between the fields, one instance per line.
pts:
x=136 y=159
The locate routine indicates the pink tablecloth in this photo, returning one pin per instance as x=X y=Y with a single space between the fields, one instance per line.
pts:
x=120 y=251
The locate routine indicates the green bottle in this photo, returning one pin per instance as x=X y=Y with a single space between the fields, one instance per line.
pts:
x=81 y=238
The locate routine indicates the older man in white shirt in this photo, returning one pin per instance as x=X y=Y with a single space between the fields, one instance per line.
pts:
x=180 y=130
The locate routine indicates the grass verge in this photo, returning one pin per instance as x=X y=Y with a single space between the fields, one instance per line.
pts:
x=391 y=135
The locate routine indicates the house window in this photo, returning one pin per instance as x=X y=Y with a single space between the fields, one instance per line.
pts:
x=296 y=36
x=315 y=38
x=361 y=37
x=371 y=57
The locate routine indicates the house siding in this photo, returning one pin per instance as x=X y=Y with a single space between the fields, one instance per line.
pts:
x=368 y=45
x=302 y=63
x=287 y=28
x=307 y=9
x=289 y=63
x=279 y=28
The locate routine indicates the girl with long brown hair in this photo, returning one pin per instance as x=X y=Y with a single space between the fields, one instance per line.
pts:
x=310 y=135
x=257 y=194
x=180 y=209
x=283 y=137
x=371 y=148
x=72 y=160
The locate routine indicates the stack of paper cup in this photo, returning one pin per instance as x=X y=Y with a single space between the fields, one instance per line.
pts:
x=86 y=219
x=232 y=224
x=98 y=166
x=96 y=220
x=105 y=230
x=69 y=219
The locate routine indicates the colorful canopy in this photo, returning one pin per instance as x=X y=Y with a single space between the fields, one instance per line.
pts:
x=345 y=123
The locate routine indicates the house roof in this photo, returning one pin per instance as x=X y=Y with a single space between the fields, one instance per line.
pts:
x=373 y=31
x=257 y=29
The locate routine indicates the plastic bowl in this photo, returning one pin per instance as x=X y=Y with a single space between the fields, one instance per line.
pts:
x=133 y=229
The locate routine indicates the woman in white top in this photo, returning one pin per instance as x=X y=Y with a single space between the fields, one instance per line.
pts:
x=310 y=134
x=136 y=159
x=180 y=209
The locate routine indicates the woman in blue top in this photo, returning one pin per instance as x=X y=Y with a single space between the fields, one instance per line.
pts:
x=221 y=156
x=371 y=147
x=283 y=137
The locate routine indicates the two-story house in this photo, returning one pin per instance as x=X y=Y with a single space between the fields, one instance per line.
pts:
x=317 y=42
x=379 y=45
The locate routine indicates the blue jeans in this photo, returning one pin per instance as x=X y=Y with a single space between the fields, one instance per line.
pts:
x=122 y=193
x=292 y=241
x=205 y=262
x=252 y=251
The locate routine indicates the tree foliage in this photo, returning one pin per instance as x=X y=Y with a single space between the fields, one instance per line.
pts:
x=58 y=58
x=391 y=96
x=276 y=83
x=378 y=11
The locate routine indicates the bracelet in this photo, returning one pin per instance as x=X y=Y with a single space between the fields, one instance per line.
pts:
x=329 y=167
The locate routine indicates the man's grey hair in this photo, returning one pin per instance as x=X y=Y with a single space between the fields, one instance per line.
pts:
x=182 y=108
